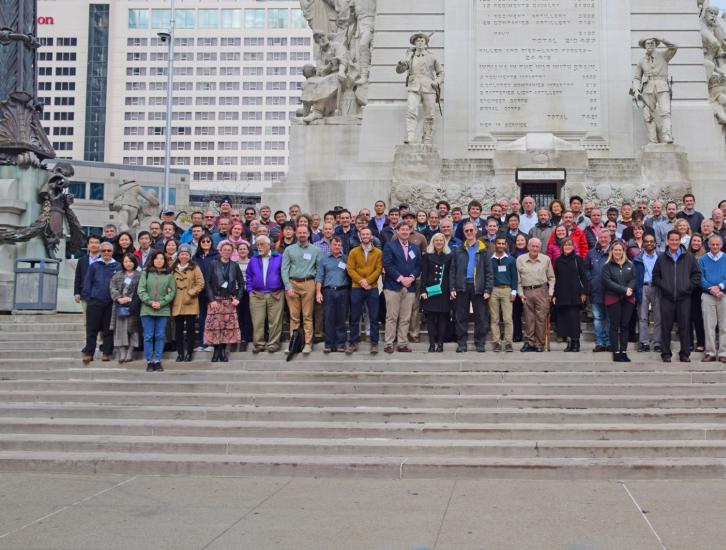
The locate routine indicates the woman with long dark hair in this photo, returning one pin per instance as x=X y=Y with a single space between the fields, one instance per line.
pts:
x=156 y=292
x=123 y=245
x=185 y=309
x=203 y=257
x=571 y=286
x=618 y=277
x=125 y=315
x=225 y=287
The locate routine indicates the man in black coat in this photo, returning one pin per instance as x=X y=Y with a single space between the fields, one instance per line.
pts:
x=93 y=244
x=676 y=274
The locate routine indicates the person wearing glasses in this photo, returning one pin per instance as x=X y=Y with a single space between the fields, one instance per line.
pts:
x=646 y=295
x=99 y=304
x=206 y=253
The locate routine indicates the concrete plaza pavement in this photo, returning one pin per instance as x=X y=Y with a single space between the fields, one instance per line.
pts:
x=109 y=512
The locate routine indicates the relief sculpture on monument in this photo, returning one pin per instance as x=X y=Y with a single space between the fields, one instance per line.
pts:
x=337 y=85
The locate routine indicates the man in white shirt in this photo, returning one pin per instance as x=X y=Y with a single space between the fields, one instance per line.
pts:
x=528 y=218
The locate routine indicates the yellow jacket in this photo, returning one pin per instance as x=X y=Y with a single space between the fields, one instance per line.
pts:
x=359 y=268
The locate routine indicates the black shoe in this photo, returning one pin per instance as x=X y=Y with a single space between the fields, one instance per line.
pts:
x=624 y=357
x=481 y=348
x=539 y=349
x=149 y=367
x=440 y=348
x=616 y=357
x=569 y=346
x=158 y=367
x=461 y=348
x=526 y=347
x=432 y=348
x=223 y=357
x=243 y=346
x=215 y=355
x=188 y=357
x=643 y=348
x=576 y=345
x=180 y=357
x=657 y=348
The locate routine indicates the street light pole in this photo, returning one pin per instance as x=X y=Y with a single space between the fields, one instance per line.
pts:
x=169 y=94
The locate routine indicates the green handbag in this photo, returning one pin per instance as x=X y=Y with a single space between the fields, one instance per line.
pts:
x=435 y=290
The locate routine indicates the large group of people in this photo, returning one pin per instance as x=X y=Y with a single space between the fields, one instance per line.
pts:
x=245 y=278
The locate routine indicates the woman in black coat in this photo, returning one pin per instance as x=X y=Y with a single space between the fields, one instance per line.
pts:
x=618 y=280
x=570 y=293
x=436 y=266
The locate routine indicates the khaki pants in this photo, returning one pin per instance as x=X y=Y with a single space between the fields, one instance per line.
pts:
x=501 y=299
x=301 y=307
x=266 y=307
x=398 y=315
x=714 y=313
x=536 y=312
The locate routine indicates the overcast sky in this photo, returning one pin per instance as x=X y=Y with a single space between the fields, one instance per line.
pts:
x=719 y=3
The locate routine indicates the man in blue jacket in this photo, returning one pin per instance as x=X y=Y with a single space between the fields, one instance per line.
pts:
x=594 y=262
x=93 y=244
x=402 y=266
x=99 y=305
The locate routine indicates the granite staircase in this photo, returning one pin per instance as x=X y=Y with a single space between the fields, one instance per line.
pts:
x=549 y=415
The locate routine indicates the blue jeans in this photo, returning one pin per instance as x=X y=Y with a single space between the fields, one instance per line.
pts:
x=602 y=325
x=358 y=297
x=154 y=328
x=335 y=304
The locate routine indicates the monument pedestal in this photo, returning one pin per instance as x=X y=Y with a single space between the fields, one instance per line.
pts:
x=665 y=165
x=416 y=175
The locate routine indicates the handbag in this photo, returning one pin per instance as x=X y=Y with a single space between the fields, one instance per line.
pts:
x=435 y=290
x=123 y=310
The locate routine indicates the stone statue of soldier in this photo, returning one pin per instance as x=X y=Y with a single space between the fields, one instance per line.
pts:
x=132 y=202
x=652 y=88
x=424 y=80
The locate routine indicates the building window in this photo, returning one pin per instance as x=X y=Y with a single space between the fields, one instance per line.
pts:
x=138 y=19
x=254 y=41
x=160 y=19
x=274 y=146
x=277 y=18
x=208 y=19
x=206 y=86
x=46 y=41
x=276 y=71
x=232 y=41
x=229 y=115
x=276 y=85
x=250 y=161
x=206 y=71
x=253 y=56
x=253 y=71
x=232 y=19
x=229 y=56
x=229 y=71
x=70 y=42
x=206 y=42
x=44 y=86
x=300 y=40
x=65 y=56
x=252 y=100
x=298 y=21
x=204 y=146
x=65 y=71
x=252 y=85
x=205 y=115
x=63 y=116
x=133 y=161
x=250 y=176
x=276 y=56
x=184 y=19
x=66 y=86
x=254 y=18
x=135 y=71
x=274 y=161
x=229 y=100
x=77 y=189
x=229 y=86
x=62 y=131
x=227 y=176
x=251 y=115
x=228 y=130
x=250 y=145
x=203 y=176
x=97 y=190
x=137 y=42
x=204 y=131
x=277 y=41
x=299 y=56
x=186 y=42
x=207 y=56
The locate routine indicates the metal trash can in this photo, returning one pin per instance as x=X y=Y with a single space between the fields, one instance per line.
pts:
x=36 y=284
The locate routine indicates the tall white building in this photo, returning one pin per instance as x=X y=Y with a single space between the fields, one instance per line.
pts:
x=237 y=77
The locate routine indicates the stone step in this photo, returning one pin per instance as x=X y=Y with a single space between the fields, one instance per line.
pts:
x=371 y=390
x=233 y=375
x=101 y=398
x=413 y=415
x=554 y=361
x=381 y=467
x=365 y=429
x=292 y=447
x=24 y=339
x=70 y=327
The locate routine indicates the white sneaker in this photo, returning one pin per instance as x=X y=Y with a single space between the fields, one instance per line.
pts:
x=208 y=349
x=199 y=348
x=307 y=349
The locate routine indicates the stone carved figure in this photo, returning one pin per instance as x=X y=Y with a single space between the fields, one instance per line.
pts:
x=133 y=203
x=343 y=33
x=22 y=139
x=55 y=211
x=652 y=88
x=323 y=92
x=713 y=37
x=423 y=82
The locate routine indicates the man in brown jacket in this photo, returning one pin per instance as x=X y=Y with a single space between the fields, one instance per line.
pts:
x=365 y=264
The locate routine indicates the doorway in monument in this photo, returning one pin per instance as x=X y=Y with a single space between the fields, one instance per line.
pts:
x=542 y=193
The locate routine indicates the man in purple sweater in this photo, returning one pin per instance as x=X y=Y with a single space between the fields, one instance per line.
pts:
x=266 y=290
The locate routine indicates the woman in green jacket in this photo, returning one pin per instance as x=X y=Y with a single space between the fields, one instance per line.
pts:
x=156 y=291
